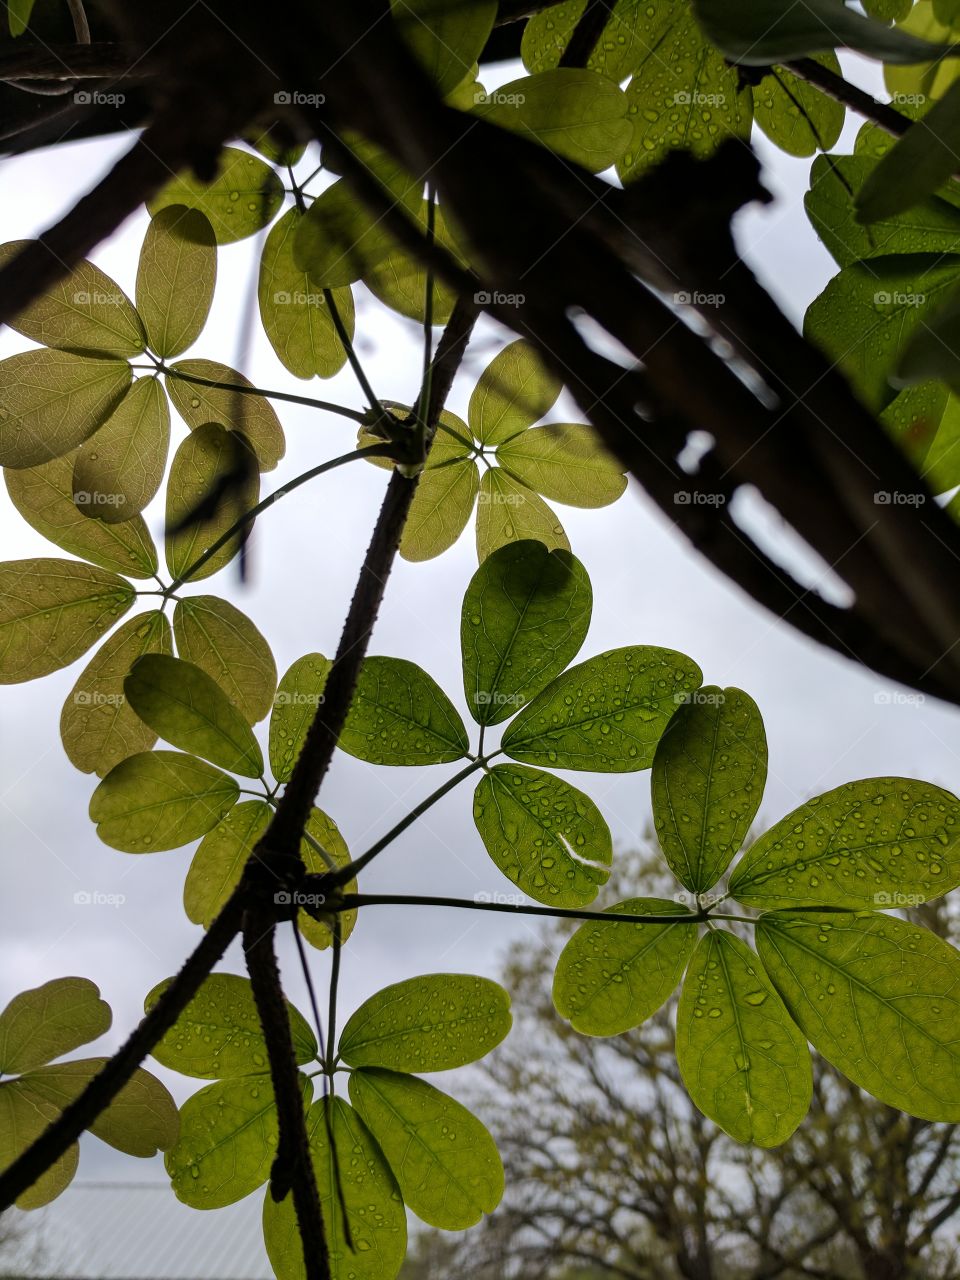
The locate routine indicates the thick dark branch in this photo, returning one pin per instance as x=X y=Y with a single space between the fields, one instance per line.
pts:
x=586 y=33
x=293 y=1166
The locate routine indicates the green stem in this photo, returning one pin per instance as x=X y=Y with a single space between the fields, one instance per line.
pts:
x=351 y=901
x=353 y=414
x=332 y=1015
x=365 y=859
x=369 y=451
x=352 y=356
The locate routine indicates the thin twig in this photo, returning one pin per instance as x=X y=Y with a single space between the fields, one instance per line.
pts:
x=328 y=406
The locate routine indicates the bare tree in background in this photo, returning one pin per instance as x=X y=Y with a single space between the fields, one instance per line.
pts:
x=611 y=1170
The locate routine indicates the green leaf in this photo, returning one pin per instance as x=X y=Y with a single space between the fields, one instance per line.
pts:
x=525 y=616
x=299 y=695
x=446 y=39
x=244 y=195
x=41 y=1024
x=120 y=468
x=218 y=1036
x=228 y=1141
x=370 y=1195
x=622 y=46
x=176 y=277
x=925 y=422
x=206 y=461
x=446 y=493
x=605 y=714
x=400 y=279
x=51 y=401
x=254 y=416
x=917 y=165
x=188 y=709
x=339 y=240
x=86 y=312
x=160 y=800
x=431 y=1023
x=800 y=118
x=947 y=11
x=612 y=977
x=294 y=312
x=877 y=842
x=566 y=462
x=549 y=838
x=510 y=512
x=97 y=727
x=742 y=1059
x=324 y=832
x=515 y=390
x=878 y=997
x=401 y=716
x=927 y=78
x=215 y=636
x=865 y=317
x=446 y=1163
x=22 y=1119
x=276 y=145
x=683 y=95
x=889 y=10
x=52 y=611
x=934 y=347
x=707 y=782
x=758 y=32
x=579 y=114
x=44 y=497
x=18 y=15
x=140 y=1121
x=932 y=226
x=220 y=858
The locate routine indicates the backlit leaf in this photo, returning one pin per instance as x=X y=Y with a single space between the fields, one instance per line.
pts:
x=51 y=401
x=742 y=1058
x=401 y=716
x=176 y=277
x=617 y=54
x=605 y=714
x=220 y=858
x=52 y=611
x=446 y=1163
x=211 y=460
x=917 y=165
x=525 y=616
x=446 y=494
x=322 y=831
x=612 y=977
x=578 y=113
x=800 y=118
x=44 y=497
x=294 y=312
x=371 y=1197
x=934 y=347
x=549 y=838
x=508 y=511
x=85 y=312
x=18 y=15
x=47 y=1021
x=120 y=468
x=218 y=1036
x=188 y=709
x=566 y=462
x=431 y=1023
x=299 y=695
x=254 y=416
x=22 y=1119
x=97 y=726
x=708 y=776
x=243 y=197
x=514 y=391
x=400 y=279
x=928 y=77
x=877 y=842
x=878 y=997
x=160 y=800
x=446 y=39
x=215 y=636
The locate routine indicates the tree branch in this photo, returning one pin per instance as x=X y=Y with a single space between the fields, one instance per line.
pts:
x=835 y=86
x=586 y=33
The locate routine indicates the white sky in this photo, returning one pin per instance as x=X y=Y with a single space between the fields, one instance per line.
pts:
x=824 y=722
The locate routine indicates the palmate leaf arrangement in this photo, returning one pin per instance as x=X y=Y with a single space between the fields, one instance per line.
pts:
x=85 y=449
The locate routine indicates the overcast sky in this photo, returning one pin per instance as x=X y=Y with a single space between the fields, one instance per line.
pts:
x=827 y=722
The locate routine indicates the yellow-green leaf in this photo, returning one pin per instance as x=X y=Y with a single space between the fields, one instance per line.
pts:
x=216 y=636
x=400 y=279
x=508 y=511
x=160 y=800
x=515 y=390
x=800 y=118
x=238 y=410
x=294 y=312
x=220 y=858
x=23 y=1118
x=52 y=611
x=299 y=695
x=120 y=468
x=97 y=727
x=401 y=716
x=446 y=39
x=41 y=1024
x=51 y=401
x=566 y=462
x=176 y=277
x=445 y=497
x=44 y=497
x=243 y=196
